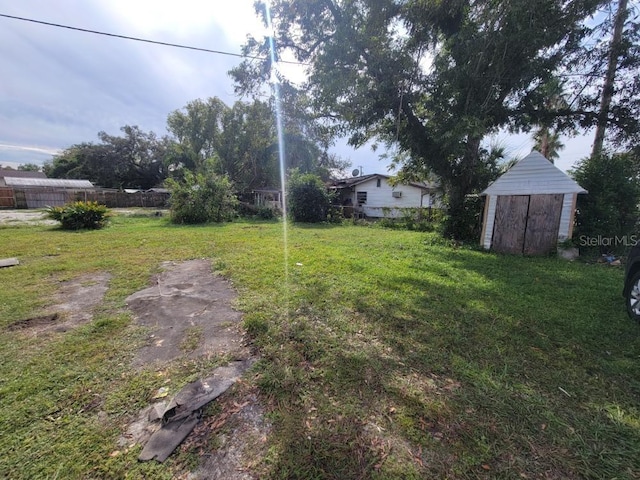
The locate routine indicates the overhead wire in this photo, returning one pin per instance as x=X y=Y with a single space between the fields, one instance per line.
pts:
x=145 y=40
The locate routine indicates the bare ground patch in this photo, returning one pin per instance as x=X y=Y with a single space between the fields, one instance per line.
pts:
x=188 y=311
x=74 y=305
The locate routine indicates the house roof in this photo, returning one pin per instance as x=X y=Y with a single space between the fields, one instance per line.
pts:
x=534 y=174
x=352 y=181
x=5 y=172
x=47 y=182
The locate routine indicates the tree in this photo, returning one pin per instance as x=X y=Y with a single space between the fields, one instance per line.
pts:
x=135 y=160
x=610 y=209
x=547 y=137
x=548 y=143
x=241 y=141
x=307 y=198
x=201 y=197
x=197 y=129
x=432 y=78
x=614 y=53
x=30 y=167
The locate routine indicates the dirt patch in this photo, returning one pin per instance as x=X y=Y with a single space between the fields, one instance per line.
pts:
x=24 y=217
x=240 y=430
x=34 y=322
x=75 y=303
x=189 y=312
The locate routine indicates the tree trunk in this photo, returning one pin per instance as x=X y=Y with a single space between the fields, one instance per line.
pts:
x=607 y=88
x=460 y=223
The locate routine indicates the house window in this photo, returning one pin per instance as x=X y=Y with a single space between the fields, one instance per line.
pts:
x=378 y=183
x=361 y=197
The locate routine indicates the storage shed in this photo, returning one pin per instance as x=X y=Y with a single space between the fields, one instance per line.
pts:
x=44 y=192
x=530 y=208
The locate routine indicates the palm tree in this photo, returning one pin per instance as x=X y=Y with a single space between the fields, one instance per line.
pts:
x=548 y=143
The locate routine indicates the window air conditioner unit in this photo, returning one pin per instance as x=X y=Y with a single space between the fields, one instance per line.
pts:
x=396 y=194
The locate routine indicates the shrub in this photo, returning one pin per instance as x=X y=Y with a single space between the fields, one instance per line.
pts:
x=80 y=215
x=610 y=209
x=307 y=198
x=260 y=212
x=201 y=198
x=416 y=219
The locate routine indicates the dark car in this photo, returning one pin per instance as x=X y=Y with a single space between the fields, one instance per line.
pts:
x=631 y=290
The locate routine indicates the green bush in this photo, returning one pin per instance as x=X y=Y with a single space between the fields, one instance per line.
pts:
x=416 y=219
x=307 y=198
x=201 y=198
x=259 y=212
x=80 y=215
x=610 y=208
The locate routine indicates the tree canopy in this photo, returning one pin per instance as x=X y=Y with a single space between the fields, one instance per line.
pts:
x=134 y=160
x=434 y=78
x=241 y=141
x=238 y=142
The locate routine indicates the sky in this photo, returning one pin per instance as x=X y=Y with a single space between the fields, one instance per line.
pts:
x=60 y=87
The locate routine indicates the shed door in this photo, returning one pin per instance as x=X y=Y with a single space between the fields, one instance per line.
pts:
x=543 y=223
x=510 y=223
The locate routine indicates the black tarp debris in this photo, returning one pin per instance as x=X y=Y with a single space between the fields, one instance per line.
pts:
x=183 y=412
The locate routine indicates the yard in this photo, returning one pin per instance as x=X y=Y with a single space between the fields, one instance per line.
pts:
x=383 y=354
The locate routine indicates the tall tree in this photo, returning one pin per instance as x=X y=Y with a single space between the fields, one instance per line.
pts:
x=241 y=141
x=431 y=77
x=196 y=127
x=615 y=52
x=134 y=160
x=546 y=137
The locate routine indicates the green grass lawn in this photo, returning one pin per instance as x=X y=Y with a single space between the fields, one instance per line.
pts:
x=384 y=354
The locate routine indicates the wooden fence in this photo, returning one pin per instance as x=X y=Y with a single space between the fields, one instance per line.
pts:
x=51 y=197
x=6 y=198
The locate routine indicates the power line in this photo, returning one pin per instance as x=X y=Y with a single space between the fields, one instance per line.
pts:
x=145 y=40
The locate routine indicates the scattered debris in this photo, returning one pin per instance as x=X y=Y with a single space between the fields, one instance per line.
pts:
x=610 y=260
x=565 y=392
x=184 y=410
x=9 y=262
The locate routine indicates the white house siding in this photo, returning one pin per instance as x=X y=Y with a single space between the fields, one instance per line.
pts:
x=381 y=198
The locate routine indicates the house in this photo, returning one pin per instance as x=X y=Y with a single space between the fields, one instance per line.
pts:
x=268 y=197
x=530 y=208
x=374 y=196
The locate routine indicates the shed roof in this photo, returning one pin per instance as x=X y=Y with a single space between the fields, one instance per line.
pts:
x=47 y=182
x=534 y=174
